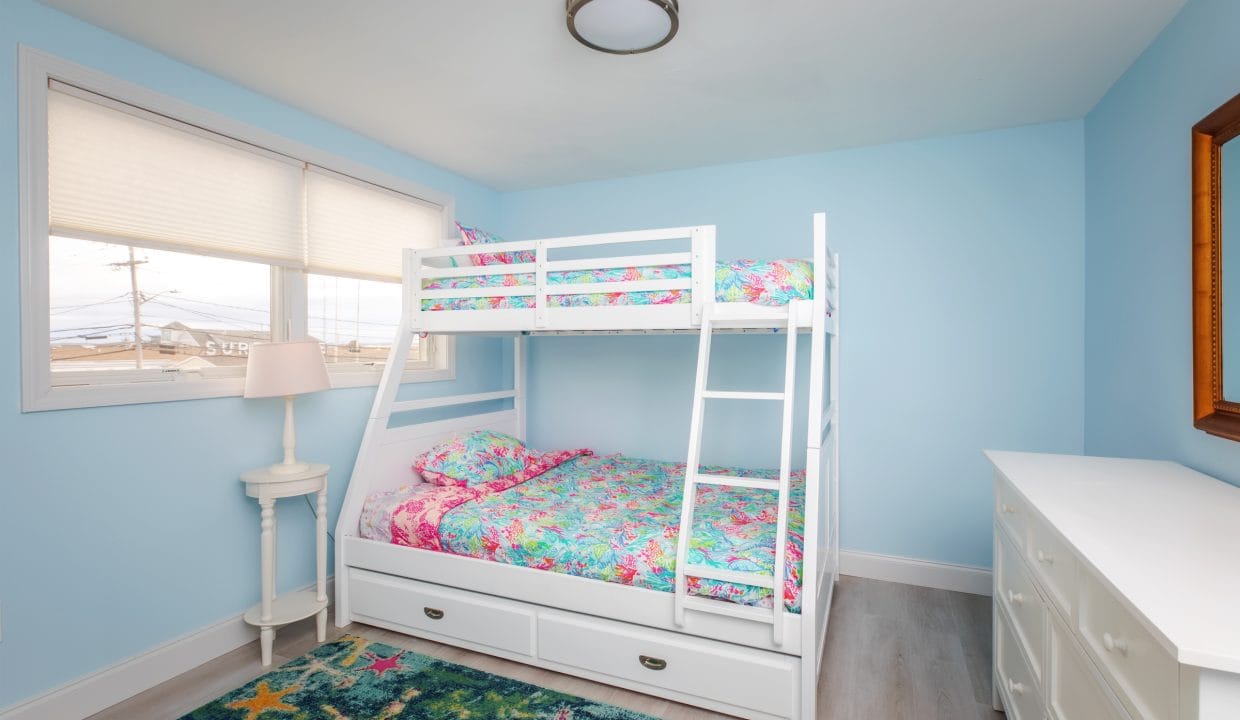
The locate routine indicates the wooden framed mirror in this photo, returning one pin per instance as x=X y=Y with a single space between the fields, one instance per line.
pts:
x=1216 y=271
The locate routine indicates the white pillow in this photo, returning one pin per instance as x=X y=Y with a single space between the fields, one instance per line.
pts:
x=449 y=260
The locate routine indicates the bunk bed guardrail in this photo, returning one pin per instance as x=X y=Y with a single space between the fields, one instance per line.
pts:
x=694 y=246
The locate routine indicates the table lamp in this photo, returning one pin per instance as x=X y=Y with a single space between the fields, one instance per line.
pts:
x=286 y=369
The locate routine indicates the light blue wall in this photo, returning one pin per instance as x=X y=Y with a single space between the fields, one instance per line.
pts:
x=122 y=528
x=963 y=288
x=1138 y=349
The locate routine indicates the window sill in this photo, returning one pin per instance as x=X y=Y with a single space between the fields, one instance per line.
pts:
x=87 y=396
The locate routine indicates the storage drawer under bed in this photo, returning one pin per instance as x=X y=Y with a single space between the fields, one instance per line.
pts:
x=439 y=610
x=755 y=679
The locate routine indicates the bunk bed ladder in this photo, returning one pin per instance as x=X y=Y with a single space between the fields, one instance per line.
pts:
x=694 y=478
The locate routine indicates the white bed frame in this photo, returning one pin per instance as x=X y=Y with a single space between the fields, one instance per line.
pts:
x=611 y=633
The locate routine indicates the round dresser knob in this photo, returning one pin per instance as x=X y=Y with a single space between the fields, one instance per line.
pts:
x=1016 y=598
x=1114 y=644
x=1007 y=508
x=1046 y=558
x=1016 y=688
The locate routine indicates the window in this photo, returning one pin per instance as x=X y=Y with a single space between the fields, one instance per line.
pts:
x=117 y=311
x=356 y=320
x=157 y=250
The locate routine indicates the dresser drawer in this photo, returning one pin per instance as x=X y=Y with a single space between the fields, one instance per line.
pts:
x=1018 y=595
x=754 y=679
x=1054 y=565
x=1011 y=512
x=1074 y=688
x=437 y=610
x=1135 y=663
x=1020 y=688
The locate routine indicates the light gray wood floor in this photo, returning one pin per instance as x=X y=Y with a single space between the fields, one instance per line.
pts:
x=893 y=651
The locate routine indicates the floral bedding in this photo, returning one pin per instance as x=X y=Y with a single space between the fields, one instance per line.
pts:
x=771 y=282
x=476 y=457
x=611 y=518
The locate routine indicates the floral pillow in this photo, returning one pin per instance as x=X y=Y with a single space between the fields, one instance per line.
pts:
x=475 y=236
x=473 y=459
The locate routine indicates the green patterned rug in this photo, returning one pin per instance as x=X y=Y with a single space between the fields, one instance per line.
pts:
x=353 y=679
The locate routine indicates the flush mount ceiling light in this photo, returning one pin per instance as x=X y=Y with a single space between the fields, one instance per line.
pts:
x=623 y=27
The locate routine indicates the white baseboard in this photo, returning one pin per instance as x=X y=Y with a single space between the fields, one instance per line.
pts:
x=118 y=682
x=944 y=576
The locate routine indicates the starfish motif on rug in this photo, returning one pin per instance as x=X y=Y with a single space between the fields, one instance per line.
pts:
x=381 y=665
x=312 y=666
x=265 y=699
x=354 y=648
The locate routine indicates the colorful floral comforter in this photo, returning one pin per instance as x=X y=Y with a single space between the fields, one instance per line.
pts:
x=773 y=282
x=611 y=518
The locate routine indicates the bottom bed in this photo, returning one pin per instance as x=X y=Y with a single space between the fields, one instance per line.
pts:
x=495 y=567
x=610 y=518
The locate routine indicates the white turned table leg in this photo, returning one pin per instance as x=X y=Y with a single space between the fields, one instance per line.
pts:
x=275 y=549
x=266 y=637
x=320 y=537
x=268 y=570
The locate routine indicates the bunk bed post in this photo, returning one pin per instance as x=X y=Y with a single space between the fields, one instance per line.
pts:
x=518 y=383
x=812 y=630
x=376 y=426
x=834 y=480
x=411 y=280
x=702 y=240
x=540 y=284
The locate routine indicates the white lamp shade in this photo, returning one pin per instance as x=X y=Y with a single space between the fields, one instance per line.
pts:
x=285 y=368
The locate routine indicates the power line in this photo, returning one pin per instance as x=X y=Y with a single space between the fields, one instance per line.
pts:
x=225 y=305
x=60 y=310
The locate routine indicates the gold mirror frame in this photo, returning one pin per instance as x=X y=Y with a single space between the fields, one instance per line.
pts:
x=1211 y=411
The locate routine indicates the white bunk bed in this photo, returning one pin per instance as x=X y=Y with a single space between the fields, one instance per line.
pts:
x=759 y=663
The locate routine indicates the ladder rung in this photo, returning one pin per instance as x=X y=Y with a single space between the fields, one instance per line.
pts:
x=723 y=607
x=737 y=481
x=731 y=576
x=735 y=395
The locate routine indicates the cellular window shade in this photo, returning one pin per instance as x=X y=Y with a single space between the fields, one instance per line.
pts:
x=120 y=173
x=359 y=229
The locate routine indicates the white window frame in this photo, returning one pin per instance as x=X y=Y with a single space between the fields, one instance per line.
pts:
x=289 y=309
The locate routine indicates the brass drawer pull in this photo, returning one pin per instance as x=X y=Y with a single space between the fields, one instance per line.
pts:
x=652 y=663
x=433 y=613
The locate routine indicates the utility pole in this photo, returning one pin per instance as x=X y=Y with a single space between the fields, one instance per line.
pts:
x=137 y=301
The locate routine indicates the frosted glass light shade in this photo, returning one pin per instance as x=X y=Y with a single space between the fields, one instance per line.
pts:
x=623 y=27
x=285 y=368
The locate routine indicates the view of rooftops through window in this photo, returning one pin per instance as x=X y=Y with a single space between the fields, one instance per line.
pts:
x=194 y=312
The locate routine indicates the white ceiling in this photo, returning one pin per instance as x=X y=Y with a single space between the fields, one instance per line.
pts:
x=497 y=90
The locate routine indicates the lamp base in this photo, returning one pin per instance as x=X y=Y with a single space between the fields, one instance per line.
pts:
x=287 y=468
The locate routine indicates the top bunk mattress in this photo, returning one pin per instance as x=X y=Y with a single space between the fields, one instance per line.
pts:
x=762 y=282
x=610 y=518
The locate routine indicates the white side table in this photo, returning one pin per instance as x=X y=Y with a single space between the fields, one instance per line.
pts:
x=266 y=486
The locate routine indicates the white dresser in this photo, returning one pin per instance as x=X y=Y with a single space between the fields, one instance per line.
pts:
x=1116 y=590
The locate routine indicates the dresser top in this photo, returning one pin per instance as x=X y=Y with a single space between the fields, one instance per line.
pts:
x=1165 y=537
